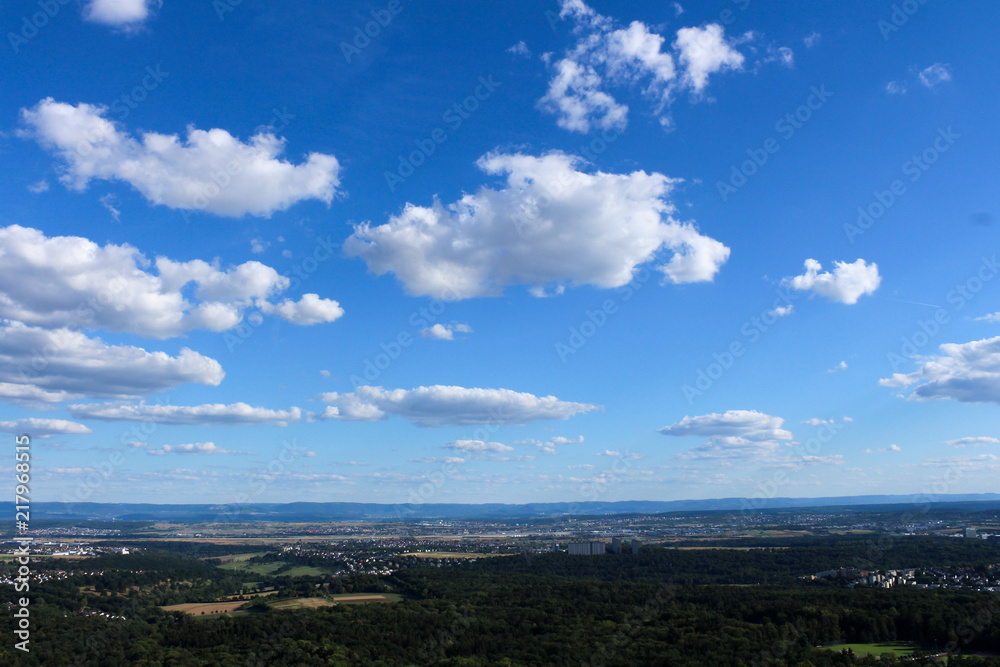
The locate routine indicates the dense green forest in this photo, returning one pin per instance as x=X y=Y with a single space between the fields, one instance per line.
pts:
x=661 y=607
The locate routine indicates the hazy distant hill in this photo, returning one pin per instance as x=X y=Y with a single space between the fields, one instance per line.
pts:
x=304 y=512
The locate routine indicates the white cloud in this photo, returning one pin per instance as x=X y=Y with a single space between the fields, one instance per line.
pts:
x=895 y=88
x=310 y=309
x=743 y=435
x=842 y=366
x=478 y=446
x=892 y=448
x=748 y=424
x=678 y=10
x=39 y=187
x=935 y=74
x=110 y=202
x=816 y=421
x=454 y=460
x=549 y=447
x=43 y=427
x=258 y=245
x=443 y=406
x=445 y=331
x=812 y=40
x=604 y=55
x=620 y=455
x=966 y=372
x=992 y=317
x=975 y=442
x=520 y=49
x=237 y=414
x=705 y=51
x=325 y=373
x=31 y=396
x=196 y=448
x=550 y=225
x=119 y=13
x=574 y=95
x=210 y=171
x=69 y=281
x=980 y=462
x=74 y=365
x=781 y=311
x=846 y=284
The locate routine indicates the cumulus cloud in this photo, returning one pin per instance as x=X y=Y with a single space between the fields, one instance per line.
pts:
x=39 y=187
x=236 y=414
x=748 y=424
x=935 y=74
x=973 y=442
x=846 y=284
x=73 y=365
x=549 y=446
x=550 y=226
x=781 y=311
x=705 y=51
x=842 y=366
x=119 y=13
x=209 y=171
x=743 y=435
x=605 y=55
x=966 y=372
x=70 y=281
x=478 y=446
x=310 y=309
x=892 y=448
x=43 y=427
x=445 y=331
x=448 y=406
x=520 y=49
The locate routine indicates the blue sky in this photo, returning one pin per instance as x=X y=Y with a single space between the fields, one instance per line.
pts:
x=563 y=252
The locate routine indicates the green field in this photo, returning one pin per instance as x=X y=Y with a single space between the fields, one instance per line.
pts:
x=898 y=649
x=272 y=567
x=256 y=568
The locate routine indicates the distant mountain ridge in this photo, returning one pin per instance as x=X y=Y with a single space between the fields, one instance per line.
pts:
x=342 y=511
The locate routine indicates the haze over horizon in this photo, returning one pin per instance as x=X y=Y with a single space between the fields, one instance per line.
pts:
x=603 y=252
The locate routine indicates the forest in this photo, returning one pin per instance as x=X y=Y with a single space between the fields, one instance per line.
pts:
x=661 y=607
